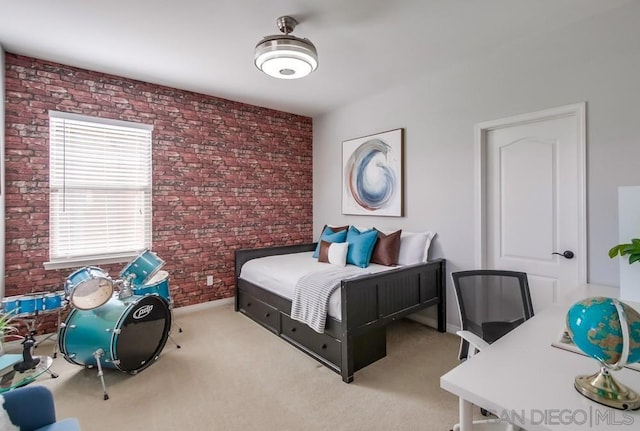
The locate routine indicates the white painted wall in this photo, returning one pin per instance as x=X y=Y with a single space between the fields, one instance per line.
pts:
x=597 y=61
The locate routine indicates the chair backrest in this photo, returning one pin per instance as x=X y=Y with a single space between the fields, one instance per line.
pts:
x=30 y=407
x=491 y=303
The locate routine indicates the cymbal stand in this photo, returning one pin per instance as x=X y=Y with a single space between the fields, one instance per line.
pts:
x=97 y=354
x=53 y=335
x=173 y=320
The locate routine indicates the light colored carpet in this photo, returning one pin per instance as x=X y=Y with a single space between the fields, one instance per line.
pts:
x=232 y=374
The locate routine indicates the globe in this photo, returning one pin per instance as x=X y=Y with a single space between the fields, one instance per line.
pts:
x=597 y=327
x=594 y=326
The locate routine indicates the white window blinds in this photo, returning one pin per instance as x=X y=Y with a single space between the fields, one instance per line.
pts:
x=100 y=188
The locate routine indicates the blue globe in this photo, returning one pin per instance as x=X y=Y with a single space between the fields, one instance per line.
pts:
x=594 y=326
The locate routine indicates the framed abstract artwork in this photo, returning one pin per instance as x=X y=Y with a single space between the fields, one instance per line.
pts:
x=372 y=177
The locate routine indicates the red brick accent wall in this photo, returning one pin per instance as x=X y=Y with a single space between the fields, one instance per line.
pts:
x=226 y=175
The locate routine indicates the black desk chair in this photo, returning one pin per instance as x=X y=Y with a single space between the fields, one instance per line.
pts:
x=491 y=303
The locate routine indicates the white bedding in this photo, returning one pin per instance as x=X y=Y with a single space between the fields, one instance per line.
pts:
x=279 y=274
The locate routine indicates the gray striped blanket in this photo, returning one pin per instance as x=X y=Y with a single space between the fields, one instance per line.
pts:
x=310 y=300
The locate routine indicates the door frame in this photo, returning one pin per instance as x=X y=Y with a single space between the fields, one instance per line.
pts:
x=578 y=111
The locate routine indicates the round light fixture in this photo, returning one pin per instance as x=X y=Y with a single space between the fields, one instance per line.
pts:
x=286 y=56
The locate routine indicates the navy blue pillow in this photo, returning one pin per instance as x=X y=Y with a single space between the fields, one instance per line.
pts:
x=329 y=235
x=360 y=246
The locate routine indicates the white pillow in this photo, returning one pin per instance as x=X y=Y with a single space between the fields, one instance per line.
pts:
x=5 y=421
x=338 y=253
x=362 y=228
x=414 y=247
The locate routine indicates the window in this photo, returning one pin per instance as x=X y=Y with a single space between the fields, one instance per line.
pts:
x=100 y=190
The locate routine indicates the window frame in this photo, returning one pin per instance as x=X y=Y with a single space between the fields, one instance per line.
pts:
x=147 y=217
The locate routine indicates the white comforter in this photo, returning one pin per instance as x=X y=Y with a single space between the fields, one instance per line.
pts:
x=279 y=274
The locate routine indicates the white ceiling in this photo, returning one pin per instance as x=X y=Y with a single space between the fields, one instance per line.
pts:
x=207 y=46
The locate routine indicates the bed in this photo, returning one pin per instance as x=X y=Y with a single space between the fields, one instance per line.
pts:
x=354 y=334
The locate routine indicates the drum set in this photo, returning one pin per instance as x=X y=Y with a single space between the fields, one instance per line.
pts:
x=122 y=324
x=125 y=330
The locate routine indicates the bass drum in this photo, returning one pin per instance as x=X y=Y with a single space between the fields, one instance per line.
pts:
x=130 y=333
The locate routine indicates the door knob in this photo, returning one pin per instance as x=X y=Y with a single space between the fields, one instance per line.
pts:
x=567 y=254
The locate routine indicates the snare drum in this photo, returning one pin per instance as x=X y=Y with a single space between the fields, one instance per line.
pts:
x=53 y=301
x=158 y=285
x=11 y=304
x=129 y=333
x=142 y=268
x=88 y=288
x=31 y=303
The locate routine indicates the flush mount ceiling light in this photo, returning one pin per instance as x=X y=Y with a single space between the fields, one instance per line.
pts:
x=286 y=56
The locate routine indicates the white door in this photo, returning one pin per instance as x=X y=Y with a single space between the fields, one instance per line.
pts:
x=532 y=199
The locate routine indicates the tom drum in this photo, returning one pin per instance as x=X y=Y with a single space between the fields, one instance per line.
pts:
x=142 y=268
x=88 y=288
x=157 y=285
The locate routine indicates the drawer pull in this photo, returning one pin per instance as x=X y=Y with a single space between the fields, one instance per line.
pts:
x=248 y=304
x=267 y=314
x=324 y=346
x=293 y=329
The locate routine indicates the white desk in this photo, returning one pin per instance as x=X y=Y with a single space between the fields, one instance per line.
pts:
x=522 y=374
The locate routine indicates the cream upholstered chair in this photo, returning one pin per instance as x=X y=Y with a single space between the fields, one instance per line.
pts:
x=491 y=303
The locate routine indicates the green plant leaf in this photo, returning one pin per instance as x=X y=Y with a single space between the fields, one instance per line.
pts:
x=628 y=249
x=616 y=250
x=634 y=258
x=5 y=322
x=624 y=249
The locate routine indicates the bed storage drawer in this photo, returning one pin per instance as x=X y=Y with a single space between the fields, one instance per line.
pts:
x=308 y=340
x=262 y=313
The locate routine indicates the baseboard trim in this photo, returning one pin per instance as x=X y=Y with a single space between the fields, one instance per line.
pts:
x=432 y=323
x=203 y=306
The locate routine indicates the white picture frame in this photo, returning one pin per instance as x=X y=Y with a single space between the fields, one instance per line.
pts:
x=372 y=174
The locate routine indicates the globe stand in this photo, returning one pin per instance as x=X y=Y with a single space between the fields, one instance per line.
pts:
x=603 y=388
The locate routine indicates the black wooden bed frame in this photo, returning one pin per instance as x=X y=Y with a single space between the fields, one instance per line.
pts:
x=369 y=303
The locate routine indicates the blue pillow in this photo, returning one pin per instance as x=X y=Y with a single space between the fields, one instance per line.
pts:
x=360 y=246
x=329 y=235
